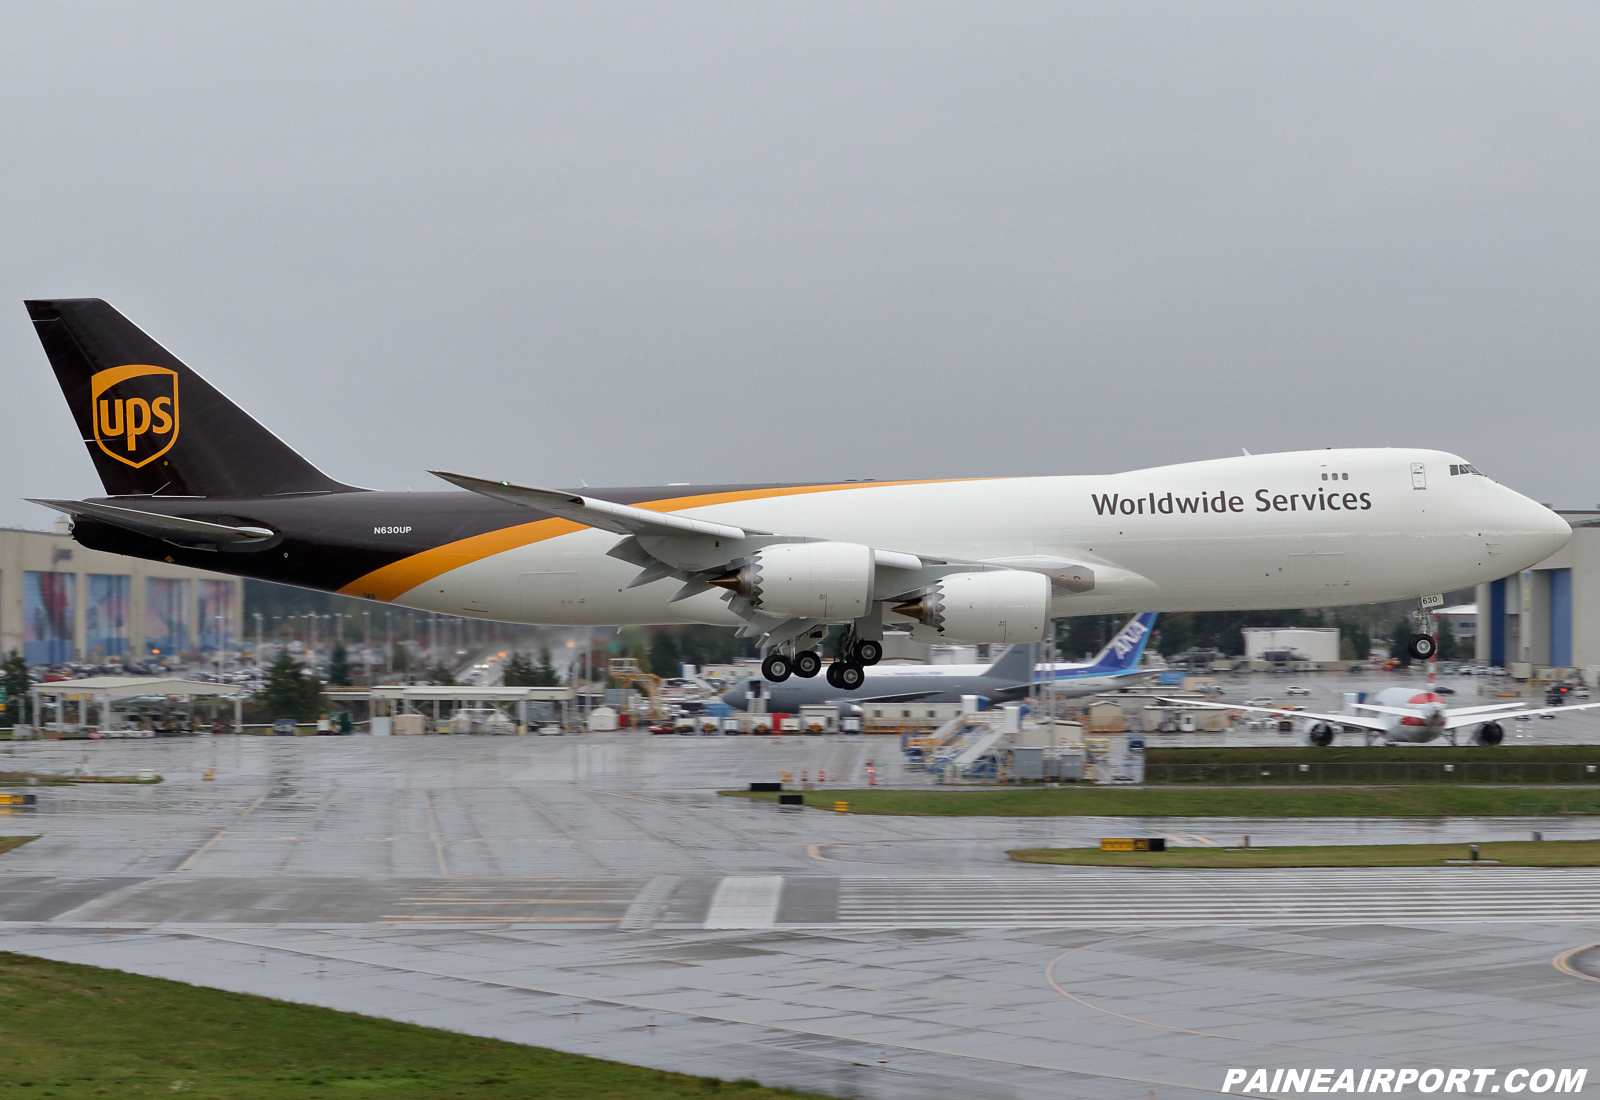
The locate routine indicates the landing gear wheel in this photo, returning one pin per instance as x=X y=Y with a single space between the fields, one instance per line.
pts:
x=868 y=652
x=1421 y=647
x=776 y=668
x=1322 y=735
x=807 y=663
x=848 y=677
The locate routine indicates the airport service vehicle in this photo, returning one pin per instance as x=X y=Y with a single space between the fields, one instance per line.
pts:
x=190 y=477
x=1012 y=676
x=1296 y=691
x=1409 y=716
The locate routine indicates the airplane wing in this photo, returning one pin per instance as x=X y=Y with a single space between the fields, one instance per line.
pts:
x=621 y=519
x=1340 y=719
x=1455 y=720
x=170 y=528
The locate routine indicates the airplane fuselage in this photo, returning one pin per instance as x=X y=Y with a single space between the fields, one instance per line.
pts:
x=1309 y=528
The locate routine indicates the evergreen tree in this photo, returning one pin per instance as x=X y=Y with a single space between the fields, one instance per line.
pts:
x=15 y=679
x=1450 y=649
x=400 y=659
x=1397 y=642
x=664 y=654
x=290 y=692
x=518 y=671
x=441 y=674
x=545 y=674
x=339 y=666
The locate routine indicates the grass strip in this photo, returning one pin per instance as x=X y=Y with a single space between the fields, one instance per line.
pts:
x=1430 y=800
x=33 y=779
x=1512 y=853
x=1360 y=754
x=9 y=842
x=80 y=1032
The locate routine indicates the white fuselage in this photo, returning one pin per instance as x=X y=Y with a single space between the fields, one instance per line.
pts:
x=1308 y=528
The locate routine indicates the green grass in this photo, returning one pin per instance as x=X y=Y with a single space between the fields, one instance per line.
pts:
x=1515 y=853
x=9 y=842
x=78 y=1032
x=1356 y=754
x=1431 y=800
x=21 y=779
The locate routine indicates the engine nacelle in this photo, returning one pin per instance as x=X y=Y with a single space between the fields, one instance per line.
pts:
x=1007 y=606
x=1490 y=733
x=807 y=580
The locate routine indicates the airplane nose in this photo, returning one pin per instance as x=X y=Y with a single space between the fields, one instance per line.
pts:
x=1532 y=531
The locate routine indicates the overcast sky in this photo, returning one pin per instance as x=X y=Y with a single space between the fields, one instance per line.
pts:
x=647 y=243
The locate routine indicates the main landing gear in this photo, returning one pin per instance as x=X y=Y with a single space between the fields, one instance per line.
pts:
x=846 y=672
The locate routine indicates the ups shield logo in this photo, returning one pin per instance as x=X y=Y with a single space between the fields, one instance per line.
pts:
x=135 y=412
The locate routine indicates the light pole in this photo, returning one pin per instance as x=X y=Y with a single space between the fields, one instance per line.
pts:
x=366 y=645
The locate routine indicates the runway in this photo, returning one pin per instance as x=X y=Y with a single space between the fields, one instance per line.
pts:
x=594 y=895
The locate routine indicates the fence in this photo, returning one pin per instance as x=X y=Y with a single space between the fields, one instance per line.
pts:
x=1377 y=771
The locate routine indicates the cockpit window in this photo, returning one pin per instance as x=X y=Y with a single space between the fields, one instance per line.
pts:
x=1465 y=468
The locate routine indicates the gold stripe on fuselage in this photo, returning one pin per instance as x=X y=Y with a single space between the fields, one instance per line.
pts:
x=397 y=578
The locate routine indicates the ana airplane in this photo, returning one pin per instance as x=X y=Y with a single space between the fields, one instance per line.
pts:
x=1011 y=677
x=191 y=478
x=1406 y=716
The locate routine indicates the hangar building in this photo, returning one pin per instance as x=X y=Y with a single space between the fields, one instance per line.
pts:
x=1547 y=616
x=62 y=602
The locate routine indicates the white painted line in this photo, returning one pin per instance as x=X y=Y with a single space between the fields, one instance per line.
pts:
x=745 y=902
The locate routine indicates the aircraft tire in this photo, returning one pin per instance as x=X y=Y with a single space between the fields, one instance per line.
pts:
x=807 y=663
x=849 y=677
x=776 y=668
x=1421 y=647
x=868 y=652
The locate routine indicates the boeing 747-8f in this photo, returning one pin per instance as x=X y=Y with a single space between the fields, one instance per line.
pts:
x=189 y=477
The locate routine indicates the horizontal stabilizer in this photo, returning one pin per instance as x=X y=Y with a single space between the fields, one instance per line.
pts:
x=622 y=519
x=171 y=528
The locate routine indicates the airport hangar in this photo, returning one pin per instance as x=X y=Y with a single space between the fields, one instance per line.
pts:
x=1548 y=615
x=61 y=602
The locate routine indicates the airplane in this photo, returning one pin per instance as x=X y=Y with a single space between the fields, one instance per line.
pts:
x=1406 y=716
x=191 y=478
x=1012 y=676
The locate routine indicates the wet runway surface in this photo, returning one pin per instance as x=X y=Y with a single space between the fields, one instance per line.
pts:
x=570 y=892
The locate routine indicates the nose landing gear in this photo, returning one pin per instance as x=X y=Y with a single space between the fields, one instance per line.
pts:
x=1421 y=647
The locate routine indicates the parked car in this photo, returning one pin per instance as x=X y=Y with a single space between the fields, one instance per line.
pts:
x=1296 y=690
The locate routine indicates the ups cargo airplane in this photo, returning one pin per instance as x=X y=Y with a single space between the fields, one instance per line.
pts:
x=191 y=478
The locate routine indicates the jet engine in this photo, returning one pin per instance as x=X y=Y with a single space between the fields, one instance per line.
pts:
x=1489 y=733
x=1322 y=735
x=806 y=580
x=998 y=606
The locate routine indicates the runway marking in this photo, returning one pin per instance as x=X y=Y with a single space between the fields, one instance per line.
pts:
x=517 y=900
x=703 y=1014
x=641 y=798
x=815 y=852
x=745 y=902
x=208 y=845
x=1563 y=962
x=433 y=832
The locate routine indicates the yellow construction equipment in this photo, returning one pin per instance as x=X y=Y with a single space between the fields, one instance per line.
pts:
x=627 y=670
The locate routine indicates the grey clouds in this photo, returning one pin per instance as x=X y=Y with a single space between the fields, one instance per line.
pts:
x=648 y=243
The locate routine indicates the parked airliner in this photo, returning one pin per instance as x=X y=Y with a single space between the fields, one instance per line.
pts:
x=1403 y=715
x=191 y=478
x=1012 y=676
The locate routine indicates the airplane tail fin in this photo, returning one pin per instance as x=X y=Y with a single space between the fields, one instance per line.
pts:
x=1123 y=651
x=153 y=426
x=1015 y=663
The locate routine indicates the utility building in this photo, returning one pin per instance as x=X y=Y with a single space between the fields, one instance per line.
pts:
x=1547 y=616
x=61 y=602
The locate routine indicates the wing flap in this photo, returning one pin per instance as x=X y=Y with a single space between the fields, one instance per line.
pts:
x=621 y=519
x=170 y=528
